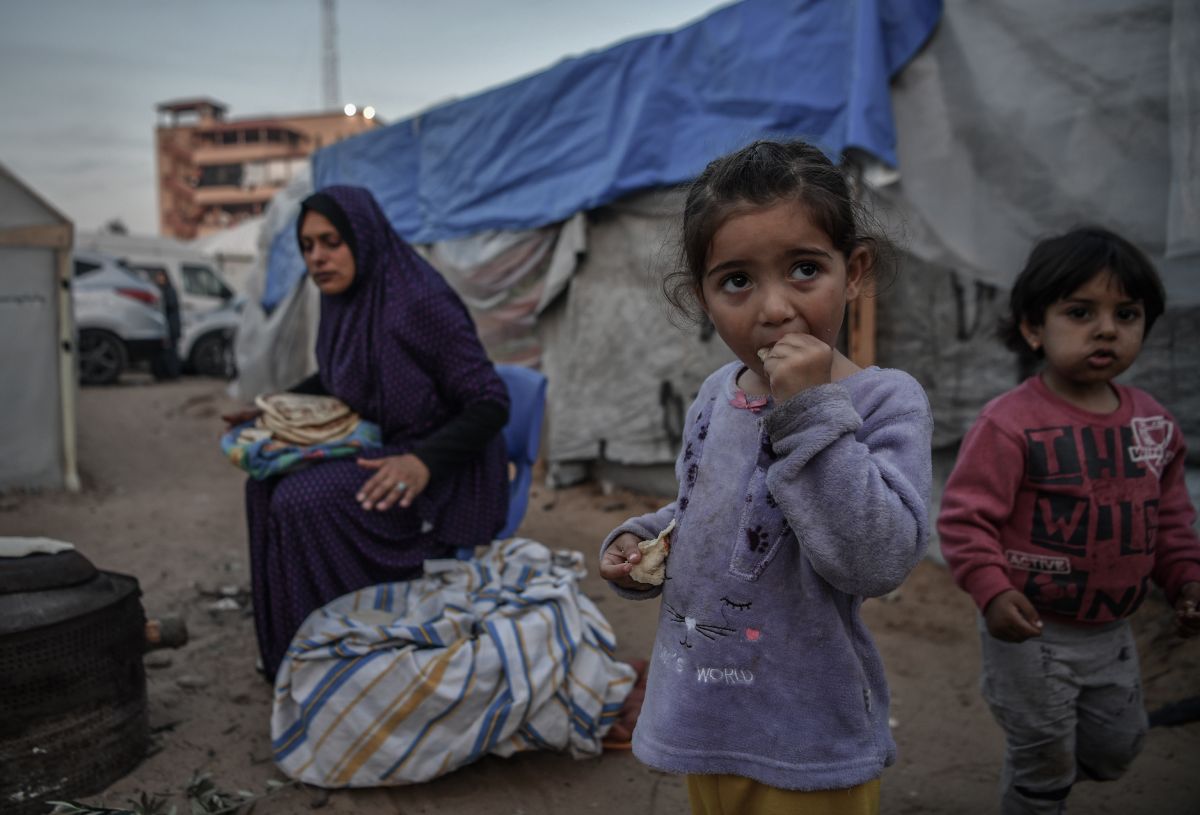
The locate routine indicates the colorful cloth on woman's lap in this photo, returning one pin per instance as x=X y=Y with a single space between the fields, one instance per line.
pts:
x=404 y=682
x=267 y=457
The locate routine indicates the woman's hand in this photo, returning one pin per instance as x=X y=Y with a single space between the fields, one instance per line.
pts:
x=619 y=558
x=795 y=363
x=241 y=416
x=396 y=478
x=1012 y=618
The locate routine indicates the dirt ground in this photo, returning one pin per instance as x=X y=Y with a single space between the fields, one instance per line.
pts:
x=161 y=503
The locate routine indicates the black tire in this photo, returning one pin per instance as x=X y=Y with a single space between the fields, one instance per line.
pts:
x=212 y=355
x=102 y=357
x=74 y=691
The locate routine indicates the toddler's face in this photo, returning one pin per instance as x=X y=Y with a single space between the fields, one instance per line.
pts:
x=1090 y=336
x=771 y=272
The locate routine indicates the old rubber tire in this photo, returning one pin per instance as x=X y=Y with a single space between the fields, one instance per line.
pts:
x=102 y=357
x=39 y=572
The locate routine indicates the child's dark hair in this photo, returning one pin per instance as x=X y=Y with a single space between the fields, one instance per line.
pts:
x=762 y=174
x=1059 y=265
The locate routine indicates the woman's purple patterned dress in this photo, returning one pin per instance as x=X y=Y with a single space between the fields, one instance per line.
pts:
x=400 y=349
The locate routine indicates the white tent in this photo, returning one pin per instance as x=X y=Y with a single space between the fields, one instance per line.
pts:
x=236 y=250
x=37 y=358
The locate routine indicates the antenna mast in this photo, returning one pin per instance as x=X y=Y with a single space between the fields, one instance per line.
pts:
x=329 y=62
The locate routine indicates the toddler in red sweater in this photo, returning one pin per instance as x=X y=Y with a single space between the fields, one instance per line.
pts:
x=1067 y=499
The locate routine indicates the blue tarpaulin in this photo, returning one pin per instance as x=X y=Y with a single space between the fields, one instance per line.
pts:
x=648 y=112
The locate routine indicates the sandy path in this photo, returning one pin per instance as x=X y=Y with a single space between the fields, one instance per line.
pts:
x=162 y=504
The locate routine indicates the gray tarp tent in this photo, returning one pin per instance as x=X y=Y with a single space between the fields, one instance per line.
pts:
x=37 y=362
x=1021 y=120
x=1014 y=121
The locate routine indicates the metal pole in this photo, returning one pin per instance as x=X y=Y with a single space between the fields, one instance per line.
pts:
x=329 y=74
x=68 y=368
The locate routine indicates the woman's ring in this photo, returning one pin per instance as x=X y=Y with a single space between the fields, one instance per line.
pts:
x=399 y=486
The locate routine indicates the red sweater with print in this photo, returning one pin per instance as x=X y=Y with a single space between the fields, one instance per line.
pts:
x=1077 y=510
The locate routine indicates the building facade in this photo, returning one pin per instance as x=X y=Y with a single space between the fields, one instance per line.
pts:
x=213 y=172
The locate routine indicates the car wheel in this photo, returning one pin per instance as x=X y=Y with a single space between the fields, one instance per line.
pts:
x=102 y=357
x=213 y=356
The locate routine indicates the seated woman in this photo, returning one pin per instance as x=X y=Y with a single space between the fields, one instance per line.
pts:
x=397 y=345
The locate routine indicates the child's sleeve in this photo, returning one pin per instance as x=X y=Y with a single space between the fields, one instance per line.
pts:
x=646 y=527
x=1176 y=546
x=978 y=500
x=855 y=490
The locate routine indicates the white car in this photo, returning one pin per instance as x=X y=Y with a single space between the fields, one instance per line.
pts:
x=119 y=318
x=198 y=284
x=206 y=346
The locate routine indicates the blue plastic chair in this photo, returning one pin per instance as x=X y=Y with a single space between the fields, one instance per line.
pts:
x=522 y=437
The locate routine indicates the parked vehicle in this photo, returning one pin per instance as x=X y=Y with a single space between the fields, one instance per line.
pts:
x=208 y=307
x=194 y=274
x=118 y=318
x=206 y=347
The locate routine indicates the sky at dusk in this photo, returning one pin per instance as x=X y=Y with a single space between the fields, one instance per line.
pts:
x=79 y=80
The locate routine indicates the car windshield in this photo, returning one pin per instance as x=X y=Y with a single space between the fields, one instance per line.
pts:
x=203 y=281
x=147 y=273
x=85 y=267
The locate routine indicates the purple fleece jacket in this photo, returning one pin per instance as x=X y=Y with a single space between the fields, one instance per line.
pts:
x=786 y=520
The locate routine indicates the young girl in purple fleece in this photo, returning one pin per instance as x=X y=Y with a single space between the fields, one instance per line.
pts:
x=804 y=481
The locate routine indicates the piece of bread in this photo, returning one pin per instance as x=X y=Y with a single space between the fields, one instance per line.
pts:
x=309 y=434
x=250 y=435
x=305 y=419
x=652 y=568
x=302 y=409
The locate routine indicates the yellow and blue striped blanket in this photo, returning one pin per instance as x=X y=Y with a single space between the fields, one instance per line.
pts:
x=403 y=682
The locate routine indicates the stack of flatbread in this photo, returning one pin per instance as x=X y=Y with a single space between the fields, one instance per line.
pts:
x=302 y=419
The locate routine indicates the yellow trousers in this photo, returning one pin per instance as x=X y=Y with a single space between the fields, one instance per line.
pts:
x=735 y=795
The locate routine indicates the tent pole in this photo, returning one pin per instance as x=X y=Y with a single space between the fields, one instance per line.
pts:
x=68 y=381
x=860 y=317
x=861 y=336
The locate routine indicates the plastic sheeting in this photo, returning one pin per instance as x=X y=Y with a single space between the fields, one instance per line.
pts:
x=506 y=279
x=622 y=369
x=648 y=112
x=1016 y=121
x=1006 y=133
x=1020 y=120
x=235 y=249
x=275 y=348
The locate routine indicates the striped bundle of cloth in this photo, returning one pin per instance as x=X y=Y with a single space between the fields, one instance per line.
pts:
x=403 y=682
